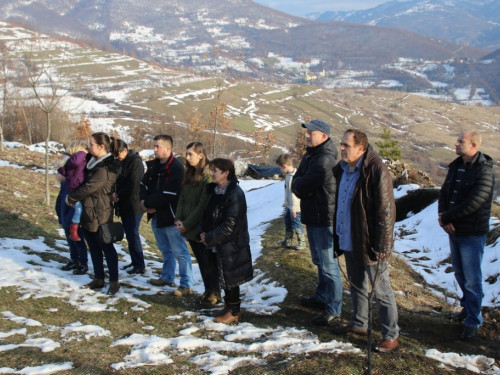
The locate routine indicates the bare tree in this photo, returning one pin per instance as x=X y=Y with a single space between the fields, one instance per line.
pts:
x=263 y=143
x=4 y=62
x=218 y=120
x=83 y=130
x=298 y=149
x=47 y=84
x=196 y=126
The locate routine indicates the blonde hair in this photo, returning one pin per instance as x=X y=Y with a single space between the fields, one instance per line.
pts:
x=76 y=146
x=72 y=149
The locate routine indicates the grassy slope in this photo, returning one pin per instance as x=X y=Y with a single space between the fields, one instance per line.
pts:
x=422 y=314
x=419 y=124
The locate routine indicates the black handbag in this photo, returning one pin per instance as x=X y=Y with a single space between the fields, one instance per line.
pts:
x=110 y=232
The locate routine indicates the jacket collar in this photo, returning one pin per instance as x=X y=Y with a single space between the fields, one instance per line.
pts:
x=232 y=184
x=156 y=162
x=326 y=146
x=480 y=158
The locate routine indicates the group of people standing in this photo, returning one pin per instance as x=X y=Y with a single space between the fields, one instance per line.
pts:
x=348 y=209
x=201 y=203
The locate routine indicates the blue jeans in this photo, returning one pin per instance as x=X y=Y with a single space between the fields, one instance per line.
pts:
x=466 y=258
x=78 y=213
x=77 y=249
x=131 y=226
x=329 y=290
x=388 y=310
x=96 y=250
x=173 y=246
x=292 y=224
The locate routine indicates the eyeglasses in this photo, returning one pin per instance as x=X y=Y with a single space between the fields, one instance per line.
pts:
x=342 y=144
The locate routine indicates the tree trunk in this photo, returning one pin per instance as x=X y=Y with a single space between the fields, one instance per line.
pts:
x=215 y=135
x=47 y=139
x=30 y=139
x=4 y=110
x=1 y=137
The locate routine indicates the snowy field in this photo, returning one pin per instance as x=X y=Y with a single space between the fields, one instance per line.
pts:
x=22 y=267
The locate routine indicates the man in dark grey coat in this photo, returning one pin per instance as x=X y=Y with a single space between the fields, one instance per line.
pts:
x=464 y=213
x=314 y=184
x=364 y=226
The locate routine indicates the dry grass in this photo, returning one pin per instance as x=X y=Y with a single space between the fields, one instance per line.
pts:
x=422 y=314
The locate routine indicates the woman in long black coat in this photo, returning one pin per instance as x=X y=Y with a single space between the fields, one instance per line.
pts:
x=128 y=204
x=225 y=231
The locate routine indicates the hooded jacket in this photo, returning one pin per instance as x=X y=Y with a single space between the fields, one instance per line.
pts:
x=74 y=170
x=471 y=213
x=230 y=236
x=160 y=189
x=128 y=185
x=314 y=185
x=373 y=210
x=95 y=193
x=191 y=205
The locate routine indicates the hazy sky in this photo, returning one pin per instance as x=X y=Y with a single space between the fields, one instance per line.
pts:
x=303 y=7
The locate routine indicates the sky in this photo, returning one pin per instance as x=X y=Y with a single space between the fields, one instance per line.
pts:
x=301 y=7
x=224 y=348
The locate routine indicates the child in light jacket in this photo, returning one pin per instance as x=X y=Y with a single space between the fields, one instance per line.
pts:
x=292 y=206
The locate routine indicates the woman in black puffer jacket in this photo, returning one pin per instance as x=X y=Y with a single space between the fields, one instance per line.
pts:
x=225 y=231
x=128 y=204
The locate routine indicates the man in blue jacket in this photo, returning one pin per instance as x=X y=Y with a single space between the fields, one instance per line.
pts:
x=314 y=184
x=160 y=190
x=464 y=213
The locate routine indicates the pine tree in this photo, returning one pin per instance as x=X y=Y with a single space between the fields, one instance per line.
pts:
x=389 y=148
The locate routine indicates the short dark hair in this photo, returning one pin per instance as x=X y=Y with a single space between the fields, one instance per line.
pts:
x=284 y=159
x=224 y=165
x=165 y=138
x=359 y=137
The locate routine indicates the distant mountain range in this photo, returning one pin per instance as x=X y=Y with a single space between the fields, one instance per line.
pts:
x=252 y=41
x=174 y=31
x=469 y=22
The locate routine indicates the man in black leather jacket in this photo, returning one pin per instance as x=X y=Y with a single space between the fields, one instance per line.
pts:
x=314 y=184
x=364 y=230
x=464 y=213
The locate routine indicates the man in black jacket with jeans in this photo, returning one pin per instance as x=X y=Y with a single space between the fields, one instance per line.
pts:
x=464 y=213
x=160 y=189
x=315 y=185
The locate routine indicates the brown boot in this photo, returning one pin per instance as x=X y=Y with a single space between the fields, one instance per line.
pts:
x=73 y=232
x=114 y=287
x=210 y=298
x=222 y=312
x=94 y=284
x=232 y=314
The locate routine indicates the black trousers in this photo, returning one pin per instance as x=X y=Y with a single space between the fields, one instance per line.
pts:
x=207 y=261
